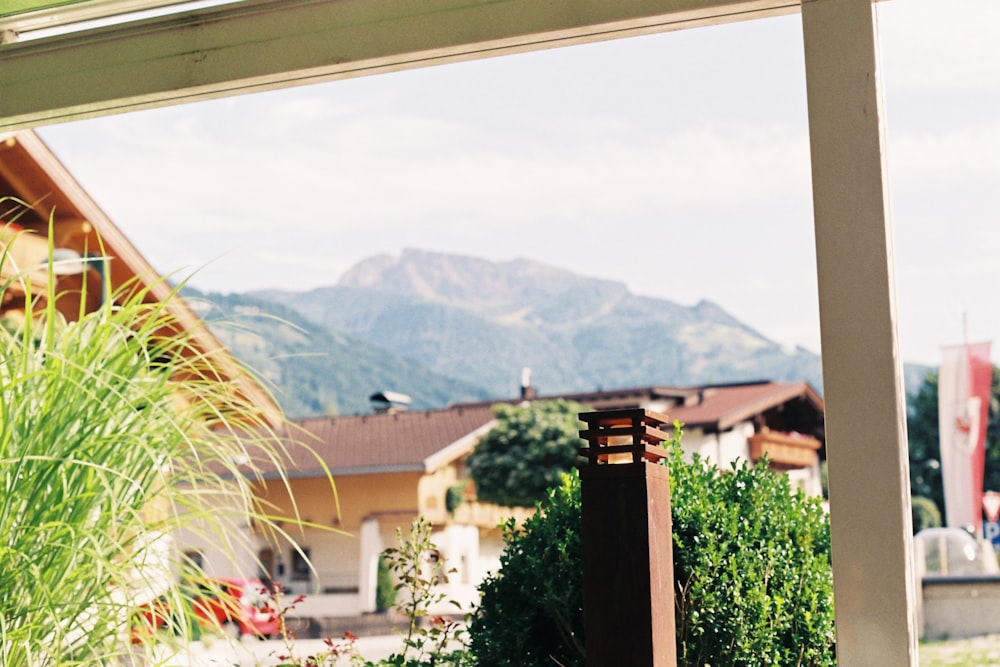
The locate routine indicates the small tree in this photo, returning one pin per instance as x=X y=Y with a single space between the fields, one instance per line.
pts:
x=924 y=513
x=526 y=454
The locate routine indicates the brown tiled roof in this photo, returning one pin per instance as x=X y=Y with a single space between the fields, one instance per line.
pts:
x=388 y=442
x=707 y=406
x=722 y=407
x=605 y=399
x=423 y=441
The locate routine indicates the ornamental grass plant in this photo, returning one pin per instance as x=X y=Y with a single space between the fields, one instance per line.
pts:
x=116 y=431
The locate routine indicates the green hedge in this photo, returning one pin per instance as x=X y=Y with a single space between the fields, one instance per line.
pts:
x=751 y=563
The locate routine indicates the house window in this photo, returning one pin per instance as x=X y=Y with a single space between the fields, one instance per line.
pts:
x=300 y=564
x=194 y=559
x=434 y=570
x=265 y=559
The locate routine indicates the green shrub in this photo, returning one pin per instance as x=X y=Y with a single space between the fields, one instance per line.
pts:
x=925 y=513
x=385 y=587
x=751 y=563
x=526 y=453
x=115 y=432
x=454 y=497
x=531 y=611
x=752 y=566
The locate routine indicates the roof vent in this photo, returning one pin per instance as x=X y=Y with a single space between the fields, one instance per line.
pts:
x=527 y=389
x=389 y=401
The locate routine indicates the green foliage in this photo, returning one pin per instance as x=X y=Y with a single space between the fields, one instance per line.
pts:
x=418 y=569
x=115 y=431
x=531 y=611
x=454 y=497
x=526 y=453
x=752 y=566
x=434 y=641
x=925 y=447
x=751 y=563
x=385 y=587
x=925 y=513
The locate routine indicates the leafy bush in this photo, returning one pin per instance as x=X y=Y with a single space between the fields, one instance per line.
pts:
x=925 y=513
x=751 y=564
x=526 y=453
x=531 y=611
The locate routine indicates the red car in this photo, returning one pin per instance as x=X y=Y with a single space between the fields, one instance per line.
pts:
x=236 y=606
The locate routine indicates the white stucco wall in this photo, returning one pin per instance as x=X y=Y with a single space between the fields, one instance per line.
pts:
x=722 y=449
x=719 y=448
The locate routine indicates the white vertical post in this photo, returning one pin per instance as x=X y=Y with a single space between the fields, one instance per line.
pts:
x=865 y=410
x=371 y=547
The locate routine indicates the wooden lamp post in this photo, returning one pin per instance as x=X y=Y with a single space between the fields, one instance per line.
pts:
x=628 y=567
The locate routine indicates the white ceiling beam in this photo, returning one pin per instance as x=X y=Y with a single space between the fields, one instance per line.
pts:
x=259 y=45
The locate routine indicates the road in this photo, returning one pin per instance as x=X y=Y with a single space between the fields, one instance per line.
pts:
x=253 y=653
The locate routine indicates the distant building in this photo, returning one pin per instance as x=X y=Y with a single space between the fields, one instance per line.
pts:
x=393 y=466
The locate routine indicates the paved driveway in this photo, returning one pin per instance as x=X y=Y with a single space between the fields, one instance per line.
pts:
x=252 y=652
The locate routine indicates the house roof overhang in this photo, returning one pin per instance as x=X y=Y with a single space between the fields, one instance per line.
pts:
x=722 y=408
x=29 y=170
x=388 y=442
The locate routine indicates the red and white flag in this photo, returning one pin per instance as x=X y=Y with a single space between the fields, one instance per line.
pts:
x=963 y=409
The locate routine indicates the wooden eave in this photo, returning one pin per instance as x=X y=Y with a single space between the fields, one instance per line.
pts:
x=35 y=176
x=785 y=451
x=751 y=409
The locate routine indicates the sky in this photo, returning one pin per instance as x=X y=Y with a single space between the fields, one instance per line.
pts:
x=677 y=164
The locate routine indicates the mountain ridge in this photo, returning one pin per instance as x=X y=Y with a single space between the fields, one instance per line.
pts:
x=482 y=321
x=447 y=328
x=313 y=371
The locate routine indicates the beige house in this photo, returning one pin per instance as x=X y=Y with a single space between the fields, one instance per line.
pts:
x=393 y=466
x=388 y=469
x=724 y=423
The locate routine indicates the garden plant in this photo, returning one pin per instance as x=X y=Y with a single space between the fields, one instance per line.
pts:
x=429 y=640
x=526 y=453
x=115 y=432
x=752 y=570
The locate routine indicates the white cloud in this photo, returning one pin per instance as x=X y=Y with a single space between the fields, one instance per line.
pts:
x=684 y=155
x=966 y=154
x=381 y=170
x=931 y=45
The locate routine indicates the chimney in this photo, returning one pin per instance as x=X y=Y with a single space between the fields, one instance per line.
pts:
x=527 y=391
x=389 y=402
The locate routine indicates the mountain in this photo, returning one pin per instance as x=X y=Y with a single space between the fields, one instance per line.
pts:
x=315 y=371
x=481 y=322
